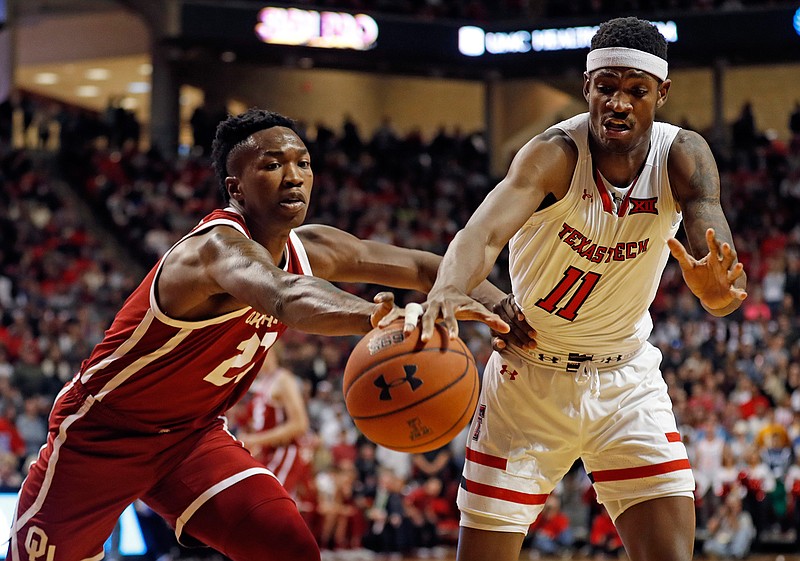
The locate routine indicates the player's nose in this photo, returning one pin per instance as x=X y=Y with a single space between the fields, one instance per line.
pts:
x=292 y=175
x=619 y=103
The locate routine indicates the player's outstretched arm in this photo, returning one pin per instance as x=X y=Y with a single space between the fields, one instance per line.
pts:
x=709 y=264
x=229 y=265
x=544 y=165
x=341 y=257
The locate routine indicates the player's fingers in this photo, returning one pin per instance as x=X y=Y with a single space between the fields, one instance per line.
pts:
x=735 y=272
x=475 y=311
x=450 y=322
x=679 y=252
x=498 y=344
x=714 y=249
x=738 y=293
x=412 y=313
x=429 y=318
x=384 y=298
x=385 y=309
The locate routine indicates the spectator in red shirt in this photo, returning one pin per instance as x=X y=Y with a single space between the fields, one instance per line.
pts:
x=10 y=440
x=603 y=538
x=427 y=509
x=551 y=532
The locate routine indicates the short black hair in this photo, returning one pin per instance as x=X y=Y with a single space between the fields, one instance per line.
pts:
x=236 y=129
x=632 y=33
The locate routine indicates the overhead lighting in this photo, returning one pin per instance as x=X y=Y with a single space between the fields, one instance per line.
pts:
x=98 y=74
x=87 y=91
x=45 y=78
x=145 y=69
x=129 y=103
x=138 y=87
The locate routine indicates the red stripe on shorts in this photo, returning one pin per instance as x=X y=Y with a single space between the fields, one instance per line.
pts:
x=673 y=436
x=486 y=459
x=639 y=472
x=503 y=494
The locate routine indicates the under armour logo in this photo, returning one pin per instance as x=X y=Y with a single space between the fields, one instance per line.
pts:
x=512 y=374
x=546 y=358
x=410 y=377
x=587 y=195
x=610 y=359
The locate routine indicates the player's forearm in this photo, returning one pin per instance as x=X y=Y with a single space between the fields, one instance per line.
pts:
x=276 y=436
x=316 y=306
x=467 y=263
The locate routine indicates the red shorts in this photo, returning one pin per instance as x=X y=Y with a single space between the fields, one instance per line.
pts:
x=94 y=466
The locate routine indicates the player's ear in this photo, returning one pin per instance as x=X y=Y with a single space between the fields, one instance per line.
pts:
x=586 y=81
x=663 y=92
x=234 y=188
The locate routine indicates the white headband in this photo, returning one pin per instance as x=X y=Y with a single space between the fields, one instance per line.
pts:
x=629 y=58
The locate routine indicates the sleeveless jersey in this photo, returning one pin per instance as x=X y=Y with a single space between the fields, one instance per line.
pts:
x=163 y=374
x=291 y=461
x=586 y=269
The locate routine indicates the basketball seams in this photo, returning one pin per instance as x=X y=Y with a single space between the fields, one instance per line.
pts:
x=452 y=383
x=405 y=398
x=468 y=411
x=384 y=360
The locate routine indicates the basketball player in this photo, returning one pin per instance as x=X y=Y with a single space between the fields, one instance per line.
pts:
x=275 y=424
x=143 y=418
x=590 y=209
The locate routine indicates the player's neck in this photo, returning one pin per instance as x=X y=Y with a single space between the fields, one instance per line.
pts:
x=620 y=169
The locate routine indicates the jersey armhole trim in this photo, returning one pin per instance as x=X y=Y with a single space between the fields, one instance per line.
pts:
x=159 y=313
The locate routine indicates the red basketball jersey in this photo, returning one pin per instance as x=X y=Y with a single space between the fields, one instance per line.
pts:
x=163 y=374
x=289 y=462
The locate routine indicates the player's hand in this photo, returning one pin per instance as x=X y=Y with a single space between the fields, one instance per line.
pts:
x=450 y=305
x=521 y=334
x=411 y=313
x=385 y=309
x=247 y=439
x=711 y=278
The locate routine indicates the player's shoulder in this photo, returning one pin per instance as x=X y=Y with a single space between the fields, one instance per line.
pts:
x=687 y=148
x=320 y=234
x=552 y=152
x=688 y=140
x=557 y=140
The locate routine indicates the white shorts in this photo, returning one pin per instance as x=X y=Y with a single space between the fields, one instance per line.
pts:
x=534 y=422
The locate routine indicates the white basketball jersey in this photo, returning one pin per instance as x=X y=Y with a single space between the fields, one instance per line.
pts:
x=586 y=269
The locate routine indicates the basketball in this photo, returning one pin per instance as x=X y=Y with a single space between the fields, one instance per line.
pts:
x=408 y=395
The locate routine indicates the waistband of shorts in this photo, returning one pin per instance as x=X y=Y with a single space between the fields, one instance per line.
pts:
x=571 y=361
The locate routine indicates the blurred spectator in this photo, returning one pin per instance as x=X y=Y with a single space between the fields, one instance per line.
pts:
x=387 y=530
x=731 y=531
x=10 y=476
x=431 y=514
x=31 y=424
x=604 y=541
x=551 y=532
x=10 y=439
x=436 y=463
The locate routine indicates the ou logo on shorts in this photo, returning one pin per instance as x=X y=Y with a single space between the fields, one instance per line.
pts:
x=36 y=545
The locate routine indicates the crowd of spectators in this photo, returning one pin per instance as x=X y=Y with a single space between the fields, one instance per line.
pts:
x=734 y=381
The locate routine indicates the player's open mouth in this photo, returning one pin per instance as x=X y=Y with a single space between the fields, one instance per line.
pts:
x=616 y=128
x=616 y=125
x=293 y=201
